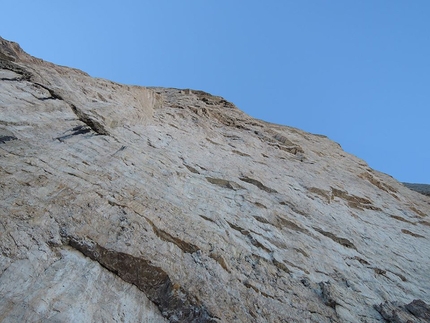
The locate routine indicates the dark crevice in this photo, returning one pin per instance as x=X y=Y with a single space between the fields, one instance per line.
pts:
x=15 y=79
x=224 y=183
x=342 y=241
x=412 y=233
x=192 y=169
x=261 y=219
x=240 y=153
x=354 y=201
x=8 y=65
x=206 y=218
x=54 y=96
x=247 y=284
x=93 y=124
x=173 y=301
x=258 y=184
x=399 y=218
x=47 y=98
x=361 y=261
x=167 y=237
x=285 y=223
x=78 y=130
x=238 y=228
x=415 y=311
x=4 y=139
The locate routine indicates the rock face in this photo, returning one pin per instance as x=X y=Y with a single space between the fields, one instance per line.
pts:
x=420 y=188
x=130 y=204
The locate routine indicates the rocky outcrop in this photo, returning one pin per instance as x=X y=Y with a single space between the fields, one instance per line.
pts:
x=133 y=204
x=420 y=188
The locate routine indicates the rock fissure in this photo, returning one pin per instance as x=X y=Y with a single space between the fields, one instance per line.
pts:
x=10 y=66
x=167 y=237
x=342 y=241
x=53 y=95
x=257 y=183
x=353 y=201
x=393 y=312
x=94 y=125
x=4 y=139
x=224 y=183
x=172 y=300
x=78 y=130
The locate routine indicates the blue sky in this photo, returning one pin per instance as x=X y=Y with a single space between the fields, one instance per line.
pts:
x=356 y=71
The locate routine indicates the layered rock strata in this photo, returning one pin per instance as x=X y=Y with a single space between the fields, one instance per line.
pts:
x=133 y=204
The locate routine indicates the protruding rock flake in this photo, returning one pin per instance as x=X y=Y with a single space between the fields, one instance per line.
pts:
x=140 y=204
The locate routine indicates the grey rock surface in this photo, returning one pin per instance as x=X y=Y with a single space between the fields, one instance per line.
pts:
x=420 y=188
x=131 y=204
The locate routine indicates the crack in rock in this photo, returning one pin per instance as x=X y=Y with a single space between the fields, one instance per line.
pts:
x=172 y=300
x=4 y=139
x=78 y=130
x=167 y=237
x=8 y=65
x=224 y=183
x=417 y=311
x=342 y=241
x=257 y=183
x=354 y=201
x=96 y=126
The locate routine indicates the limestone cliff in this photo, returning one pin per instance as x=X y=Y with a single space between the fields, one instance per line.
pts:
x=130 y=204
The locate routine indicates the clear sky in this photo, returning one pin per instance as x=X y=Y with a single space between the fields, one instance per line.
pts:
x=356 y=71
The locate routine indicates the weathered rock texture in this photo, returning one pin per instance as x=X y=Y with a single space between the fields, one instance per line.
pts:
x=130 y=204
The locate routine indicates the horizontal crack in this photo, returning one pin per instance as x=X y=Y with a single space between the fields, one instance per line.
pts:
x=342 y=241
x=4 y=139
x=8 y=65
x=257 y=183
x=224 y=183
x=78 y=130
